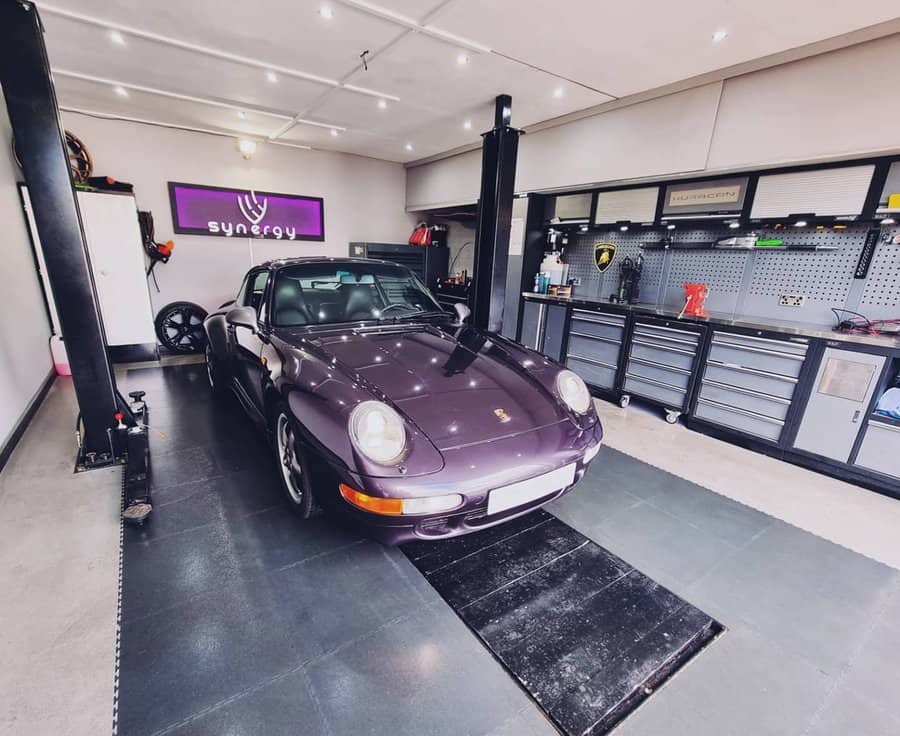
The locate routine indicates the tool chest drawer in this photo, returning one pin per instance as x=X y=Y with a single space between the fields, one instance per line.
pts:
x=739 y=398
x=593 y=372
x=739 y=419
x=662 y=393
x=880 y=449
x=778 y=359
x=667 y=336
x=606 y=351
x=597 y=324
x=676 y=378
x=677 y=357
x=778 y=386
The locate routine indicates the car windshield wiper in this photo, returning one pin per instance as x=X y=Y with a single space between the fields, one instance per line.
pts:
x=424 y=313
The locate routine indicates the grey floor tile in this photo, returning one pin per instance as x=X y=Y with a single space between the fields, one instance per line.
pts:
x=664 y=547
x=433 y=677
x=616 y=469
x=846 y=713
x=728 y=519
x=590 y=503
x=808 y=595
x=739 y=685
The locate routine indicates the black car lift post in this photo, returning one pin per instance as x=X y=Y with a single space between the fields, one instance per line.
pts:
x=498 y=178
x=113 y=431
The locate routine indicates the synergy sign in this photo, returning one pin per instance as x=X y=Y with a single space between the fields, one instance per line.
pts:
x=245 y=213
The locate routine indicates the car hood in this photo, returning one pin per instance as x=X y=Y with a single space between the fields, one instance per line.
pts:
x=459 y=386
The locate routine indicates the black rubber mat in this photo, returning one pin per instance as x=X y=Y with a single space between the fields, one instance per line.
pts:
x=585 y=634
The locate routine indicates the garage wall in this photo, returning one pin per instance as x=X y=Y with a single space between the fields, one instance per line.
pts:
x=835 y=105
x=24 y=330
x=364 y=198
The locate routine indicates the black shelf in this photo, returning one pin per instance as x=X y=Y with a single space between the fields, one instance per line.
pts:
x=712 y=246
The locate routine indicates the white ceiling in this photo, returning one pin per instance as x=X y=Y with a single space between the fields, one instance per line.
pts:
x=206 y=64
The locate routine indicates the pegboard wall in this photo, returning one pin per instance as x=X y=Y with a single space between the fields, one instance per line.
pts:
x=751 y=283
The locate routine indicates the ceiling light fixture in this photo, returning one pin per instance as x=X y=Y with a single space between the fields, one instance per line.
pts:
x=558 y=92
x=117 y=38
x=462 y=59
x=734 y=225
x=334 y=133
x=408 y=146
x=467 y=125
x=120 y=90
x=800 y=223
x=382 y=104
x=623 y=228
x=242 y=115
x=719 y=35
x=246 y=147
x=326 y=12
x=272 y=76
x=670 y=227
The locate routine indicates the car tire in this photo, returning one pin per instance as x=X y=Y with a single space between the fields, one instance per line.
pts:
x=214 y=373
x=293 y=467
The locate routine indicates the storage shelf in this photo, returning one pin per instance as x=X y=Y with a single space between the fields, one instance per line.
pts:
x=884 y=419
x=711 y=246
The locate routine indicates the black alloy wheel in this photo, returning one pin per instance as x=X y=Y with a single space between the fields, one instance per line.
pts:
x=179 y=328
x=292 y=465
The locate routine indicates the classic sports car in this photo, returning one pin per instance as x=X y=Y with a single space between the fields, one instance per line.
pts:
x=391 y=412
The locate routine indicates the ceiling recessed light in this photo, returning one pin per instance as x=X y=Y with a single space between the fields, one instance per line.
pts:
x=719 y=35
x=120 y=90
x=334 y=133
x=408 y=146
x=382 y=104
x=467 y=125
x=117 y=38
x=326 y=12
x=462 y=59
x=558 y=92
x=246 y=147
x=242 y=115
x=272 y=77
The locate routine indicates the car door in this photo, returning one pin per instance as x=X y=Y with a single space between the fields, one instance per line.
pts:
x=246 y=356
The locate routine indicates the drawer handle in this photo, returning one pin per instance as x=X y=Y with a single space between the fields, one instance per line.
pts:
x=744 y=412
x=667 y=348
x=754 y=371
x=747 y=392
x=610 y=340
x=591 y=361
x=665 y=338
x=596 y=320
x=661 y=366
x=767 y=340
x=764 y=351
x=667 y=329
x=661 y=384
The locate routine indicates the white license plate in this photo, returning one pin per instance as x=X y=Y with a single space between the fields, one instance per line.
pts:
x=526 y=491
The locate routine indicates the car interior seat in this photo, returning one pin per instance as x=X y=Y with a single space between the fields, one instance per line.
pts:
x=359 y=297
x=289 y=305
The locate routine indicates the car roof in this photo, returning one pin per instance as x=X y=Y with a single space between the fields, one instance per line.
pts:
x=282 y=262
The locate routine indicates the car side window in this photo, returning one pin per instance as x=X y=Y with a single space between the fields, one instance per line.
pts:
x=254 y=291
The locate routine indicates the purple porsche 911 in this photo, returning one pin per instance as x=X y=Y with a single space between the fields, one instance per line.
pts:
x=391 y=412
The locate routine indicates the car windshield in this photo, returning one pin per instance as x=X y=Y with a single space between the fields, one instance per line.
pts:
x=332 y=292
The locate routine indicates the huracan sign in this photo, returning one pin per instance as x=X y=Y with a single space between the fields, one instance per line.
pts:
x=245 y=213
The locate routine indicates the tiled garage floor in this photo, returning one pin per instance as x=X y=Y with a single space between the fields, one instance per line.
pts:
x=356 y=641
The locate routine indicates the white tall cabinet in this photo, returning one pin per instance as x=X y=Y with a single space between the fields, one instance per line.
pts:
x=117 y=265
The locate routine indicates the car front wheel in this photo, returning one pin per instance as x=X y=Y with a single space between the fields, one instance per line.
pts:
x=292 y=465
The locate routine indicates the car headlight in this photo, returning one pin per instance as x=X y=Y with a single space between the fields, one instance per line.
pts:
x=573 y=392
x=377 y=431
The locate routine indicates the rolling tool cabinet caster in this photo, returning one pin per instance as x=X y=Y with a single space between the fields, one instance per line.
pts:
x=672 y=416
x=624 y=401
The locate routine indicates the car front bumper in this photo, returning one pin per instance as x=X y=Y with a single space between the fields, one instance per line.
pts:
x=473 y=472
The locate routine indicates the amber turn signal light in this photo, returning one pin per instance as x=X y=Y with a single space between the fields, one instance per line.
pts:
x=384 y=506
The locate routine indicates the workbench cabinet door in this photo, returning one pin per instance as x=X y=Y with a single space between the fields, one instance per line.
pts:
x=837 y=406
x=532 y=333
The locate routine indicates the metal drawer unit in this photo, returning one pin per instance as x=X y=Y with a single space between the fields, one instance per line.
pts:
x=661 y=359
x=594 y=346
x=880 y=449
x=748 y=383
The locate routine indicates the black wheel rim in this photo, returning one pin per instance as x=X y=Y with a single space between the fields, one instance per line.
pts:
x=182 y=330
x=288 y=462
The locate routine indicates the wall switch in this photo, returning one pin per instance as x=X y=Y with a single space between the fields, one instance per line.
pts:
x=791 y=300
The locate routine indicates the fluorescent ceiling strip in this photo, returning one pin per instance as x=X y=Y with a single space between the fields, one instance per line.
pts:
x=167 y=93
x=206 y=50
x=369 y=92
x=161 y=124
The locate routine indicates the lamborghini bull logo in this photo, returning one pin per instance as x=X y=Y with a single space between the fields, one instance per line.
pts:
x=604 y=253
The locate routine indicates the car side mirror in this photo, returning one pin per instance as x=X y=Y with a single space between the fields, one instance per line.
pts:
x=243 y=317
x=462 y=312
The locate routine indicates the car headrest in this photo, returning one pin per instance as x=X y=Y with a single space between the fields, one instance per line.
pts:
x=359 y=301
x=289 y=304
x=349 y=278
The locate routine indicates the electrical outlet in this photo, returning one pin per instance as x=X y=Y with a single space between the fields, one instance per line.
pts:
x=791 y=300
x=576 y=281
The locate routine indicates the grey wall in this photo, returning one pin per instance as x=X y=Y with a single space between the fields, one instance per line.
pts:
x=795 y=112
x=24 y=330
x=751 y=282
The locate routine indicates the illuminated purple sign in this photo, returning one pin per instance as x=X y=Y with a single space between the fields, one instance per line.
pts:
x=245 y=213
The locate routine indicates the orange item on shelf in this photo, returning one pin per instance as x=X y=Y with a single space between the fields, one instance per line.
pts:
x=695 y=295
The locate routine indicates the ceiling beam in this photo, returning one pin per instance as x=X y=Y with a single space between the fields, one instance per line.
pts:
x=209 y=51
